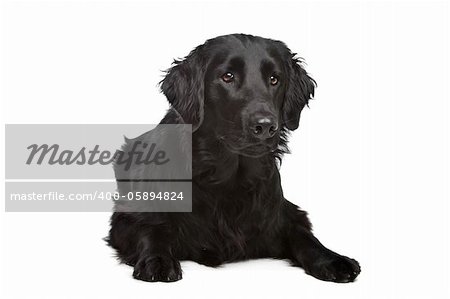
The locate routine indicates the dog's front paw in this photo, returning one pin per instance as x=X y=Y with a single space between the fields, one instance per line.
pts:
x=335 y=268
x=157 y=268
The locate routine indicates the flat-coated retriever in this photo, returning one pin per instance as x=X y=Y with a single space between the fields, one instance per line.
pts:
x=242 y=94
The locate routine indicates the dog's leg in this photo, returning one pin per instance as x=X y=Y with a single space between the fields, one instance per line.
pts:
x=317 y=260
x=156 y=262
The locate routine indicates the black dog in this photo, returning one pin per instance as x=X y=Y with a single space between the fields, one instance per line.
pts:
x=242 y=94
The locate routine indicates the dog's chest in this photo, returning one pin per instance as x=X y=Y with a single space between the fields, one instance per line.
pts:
x=230 y=222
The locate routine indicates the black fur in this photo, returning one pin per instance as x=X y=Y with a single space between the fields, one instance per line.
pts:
x=239 y=211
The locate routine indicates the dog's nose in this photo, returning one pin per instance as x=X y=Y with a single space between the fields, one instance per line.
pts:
x=264 y=127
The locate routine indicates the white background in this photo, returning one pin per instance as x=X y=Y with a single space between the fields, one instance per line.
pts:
x=370 y=161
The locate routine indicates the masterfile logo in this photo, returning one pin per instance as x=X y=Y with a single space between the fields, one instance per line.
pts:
x=92 y=167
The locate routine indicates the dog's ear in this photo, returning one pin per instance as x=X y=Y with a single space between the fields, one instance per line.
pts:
x=300 y=89
x=183 y=86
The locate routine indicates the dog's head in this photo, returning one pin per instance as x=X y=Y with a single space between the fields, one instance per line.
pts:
x=244 y=89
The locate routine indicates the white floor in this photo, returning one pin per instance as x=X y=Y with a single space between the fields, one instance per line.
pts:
x=63 y=256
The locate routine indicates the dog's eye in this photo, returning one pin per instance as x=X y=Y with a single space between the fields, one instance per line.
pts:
x=273 y=80
x=227 y=77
